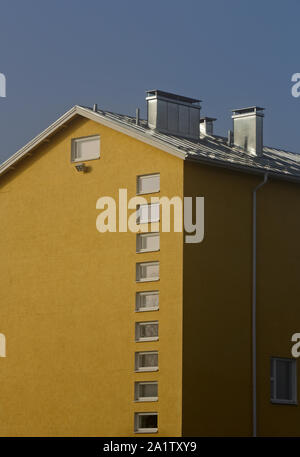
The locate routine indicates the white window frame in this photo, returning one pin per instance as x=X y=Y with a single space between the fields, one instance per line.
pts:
x=139 y=238
x=137 y=429
x=150 y=219
x=75 y=141
x=137 y=396
x=138 y=297
x=140 y=177
x=273 y=380
x=138 y=325
x=138 y=277
x=143 y=369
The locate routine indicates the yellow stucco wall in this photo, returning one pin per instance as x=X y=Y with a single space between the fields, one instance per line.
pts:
x=278 y=292
x=67 y=293
x=217 y=291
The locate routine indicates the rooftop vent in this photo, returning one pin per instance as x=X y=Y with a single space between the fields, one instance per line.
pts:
x=207 y=125
x=248 y=129
x=173 y=114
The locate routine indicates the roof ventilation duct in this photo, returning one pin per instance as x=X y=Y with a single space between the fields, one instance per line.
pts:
x=173 y=114
x=248 y=129
x=207 y=125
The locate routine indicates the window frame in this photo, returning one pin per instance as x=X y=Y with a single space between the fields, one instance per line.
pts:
x=145 y=176
x=140 y=236
x=138 y=338
x=74 y=141
x=138 y=398
x=140 y=294
x=273 y=380
x=139 y=369
x=137 y=275
x=137 y=429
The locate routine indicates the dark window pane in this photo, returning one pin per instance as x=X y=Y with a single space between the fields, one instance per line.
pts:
x=149 y=421
x=284 y=389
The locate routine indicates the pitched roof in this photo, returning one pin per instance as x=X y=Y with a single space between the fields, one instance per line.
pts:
x=212 y=150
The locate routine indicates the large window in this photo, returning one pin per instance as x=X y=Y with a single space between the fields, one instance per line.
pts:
x=86 y=148
x=146 y=361
x=147 y=242
x=147 y=271
x=147 y=301
x=146 y=331
x=147 y=184
x=146 y=391
x=145 y=422
x=283 y=380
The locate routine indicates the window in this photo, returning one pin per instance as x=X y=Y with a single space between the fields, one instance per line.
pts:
x=146 y=331
x=147 y=184
x=147 y=271
x=147 y=213
x=147 y=242
x=146 y=361
x=283 y=380
x=146 y=391
x=86 y=148
x=147 y=301
x=145 y=422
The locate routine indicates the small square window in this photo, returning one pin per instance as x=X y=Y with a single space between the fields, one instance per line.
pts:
x=147 y=242
x=147 y=184
x=86 y=148
x=147 y=271
x=147 y=301
x=283 y=380
x=145 y=423
x=146 y=331
x=146 y=361
x=146 y=391
x=147 y=213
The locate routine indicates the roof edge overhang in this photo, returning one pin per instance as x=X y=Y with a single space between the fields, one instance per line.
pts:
x=94 y=116
x=134 y=133
x=244 y=169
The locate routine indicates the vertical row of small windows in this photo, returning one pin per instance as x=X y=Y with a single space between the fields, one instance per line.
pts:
x=147 y=331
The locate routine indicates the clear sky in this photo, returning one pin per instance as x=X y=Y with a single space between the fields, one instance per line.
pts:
x=229 y=53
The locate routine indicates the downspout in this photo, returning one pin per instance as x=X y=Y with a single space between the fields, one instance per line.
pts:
x=254 y=377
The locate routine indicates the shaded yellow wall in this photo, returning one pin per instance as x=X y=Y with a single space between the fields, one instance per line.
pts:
x=217 y=291
x=68 y=293
x=278 y=291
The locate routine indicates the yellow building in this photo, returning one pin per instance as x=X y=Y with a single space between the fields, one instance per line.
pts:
x=129 y=334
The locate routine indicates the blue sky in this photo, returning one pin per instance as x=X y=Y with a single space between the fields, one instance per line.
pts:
x=229 y=53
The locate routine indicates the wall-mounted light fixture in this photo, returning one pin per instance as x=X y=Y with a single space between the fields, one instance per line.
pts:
x=80 y=167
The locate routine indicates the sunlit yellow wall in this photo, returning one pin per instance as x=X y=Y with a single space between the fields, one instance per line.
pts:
x=67 y=295
x=217 y=291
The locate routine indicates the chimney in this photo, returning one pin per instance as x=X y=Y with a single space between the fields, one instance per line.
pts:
x=248 y=129
x=207 y=125
x=173 y=114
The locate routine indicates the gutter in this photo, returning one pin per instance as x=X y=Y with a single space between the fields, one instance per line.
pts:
x=254 y=275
